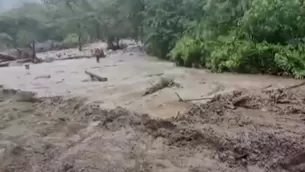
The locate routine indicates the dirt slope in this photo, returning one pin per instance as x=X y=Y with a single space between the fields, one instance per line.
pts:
x=240 y=131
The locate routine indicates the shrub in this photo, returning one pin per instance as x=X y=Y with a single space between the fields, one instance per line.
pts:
x=248 y=57
x=227 y=53
x=292 y=61
x=189 y=51
x=275 y=21
x=71 y=40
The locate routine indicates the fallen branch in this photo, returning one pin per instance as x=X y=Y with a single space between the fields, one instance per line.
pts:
x=74 y=57
x=198 y=107
x=189 y=100
x=4 y=64
x=180 y=99
x=198 y=99
x=27 y=60
x=285 y=88
x=161 y=84
x=266 y=87
x=7 y=57
x=295 y=86
x=95 y=77
x=157 y=74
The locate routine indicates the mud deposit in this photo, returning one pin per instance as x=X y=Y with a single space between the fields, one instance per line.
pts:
x=241 y=131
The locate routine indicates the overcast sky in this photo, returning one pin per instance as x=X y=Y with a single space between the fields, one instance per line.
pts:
x=8 y=4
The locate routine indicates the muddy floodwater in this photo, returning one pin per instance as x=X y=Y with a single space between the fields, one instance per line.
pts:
x=148 y=116
x=129 y=75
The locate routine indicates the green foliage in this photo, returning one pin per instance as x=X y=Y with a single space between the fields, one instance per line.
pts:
x=5 y=38
x=165 y=21
x=292 y=61
x=53 y=20
x=71 y=40
x=5 y=41
x=254 y=36
x=235 y=55
x=248 y=36
x=275 y=21
x=243 y=56
x=189 y=51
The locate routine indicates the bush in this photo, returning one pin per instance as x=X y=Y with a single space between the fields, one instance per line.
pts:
x=71 y=40
x=247 y=57
x=159 y=44
x=275 y=21
x=190 y=51
x=292 y=61
x=227 y=53
x=186 y=52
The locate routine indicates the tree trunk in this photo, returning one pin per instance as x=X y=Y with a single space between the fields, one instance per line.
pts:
x=79 y=43
x=98 y=31
x=79 y=38
x=110 y=45
x=117 y=40
x=19 y=52
x=34 y=50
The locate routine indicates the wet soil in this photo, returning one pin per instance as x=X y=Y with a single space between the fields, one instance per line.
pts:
x=260 y=130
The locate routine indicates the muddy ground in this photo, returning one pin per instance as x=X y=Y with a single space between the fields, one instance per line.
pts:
x=239 y=131
x=149 y=116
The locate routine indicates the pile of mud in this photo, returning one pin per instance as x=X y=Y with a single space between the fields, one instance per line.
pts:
x=240 y=131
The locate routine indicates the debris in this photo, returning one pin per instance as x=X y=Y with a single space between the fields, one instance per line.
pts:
x=156 y=74
x=95 y=77
x=110 y=65
x=43 y=77
x=24 y=60
x=61 y=81
x=234 y=140
x=85 y=80
x=293 y=160
x=295 y=86
x=266 y=87
x=70 y=57
x=4 y=64
x=189 y=100
x=163 y=83
x=95 y=67
x=60 y=71
x=20 y=61
x=240 y=101
x=7 y=57
x=199 y=107
x=180 y=99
